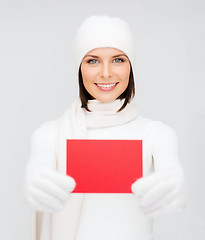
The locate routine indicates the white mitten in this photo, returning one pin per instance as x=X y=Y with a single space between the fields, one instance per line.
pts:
x=161 y=192
x=46 y=189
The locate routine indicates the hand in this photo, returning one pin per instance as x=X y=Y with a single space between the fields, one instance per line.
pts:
x=161 y=192
x=46 y=189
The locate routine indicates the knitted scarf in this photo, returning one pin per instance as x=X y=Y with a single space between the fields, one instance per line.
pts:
x=73 y=124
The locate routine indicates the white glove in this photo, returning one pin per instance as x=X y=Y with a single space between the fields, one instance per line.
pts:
x=161 y=192
x=46 y=189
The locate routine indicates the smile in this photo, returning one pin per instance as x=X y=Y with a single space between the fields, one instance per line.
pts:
x=107 y=86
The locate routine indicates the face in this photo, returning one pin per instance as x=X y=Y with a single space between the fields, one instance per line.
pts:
x=105 y=73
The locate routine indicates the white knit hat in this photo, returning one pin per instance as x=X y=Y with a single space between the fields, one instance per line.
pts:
x=103 y=31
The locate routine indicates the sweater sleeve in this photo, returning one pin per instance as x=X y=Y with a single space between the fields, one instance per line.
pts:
x=165 y=148
x=42 y=146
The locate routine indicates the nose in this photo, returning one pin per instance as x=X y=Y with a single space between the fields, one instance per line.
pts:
x=106 y=70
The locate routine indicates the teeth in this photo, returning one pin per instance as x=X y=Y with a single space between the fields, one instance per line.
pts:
x=106 y=85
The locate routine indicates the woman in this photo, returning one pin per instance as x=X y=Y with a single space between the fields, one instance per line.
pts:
x=105 y=109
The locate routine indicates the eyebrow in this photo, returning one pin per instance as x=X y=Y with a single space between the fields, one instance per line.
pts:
x=98 y=57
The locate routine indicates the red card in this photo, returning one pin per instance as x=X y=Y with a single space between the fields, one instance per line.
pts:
x=104 y=166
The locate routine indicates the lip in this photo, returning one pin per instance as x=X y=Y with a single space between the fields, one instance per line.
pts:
x=106 y=89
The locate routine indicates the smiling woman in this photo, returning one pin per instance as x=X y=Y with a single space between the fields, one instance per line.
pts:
x=105 y=79
x=106 y=74
x=105 y=109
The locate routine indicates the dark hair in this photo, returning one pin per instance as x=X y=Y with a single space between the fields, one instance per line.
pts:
x=127 y=94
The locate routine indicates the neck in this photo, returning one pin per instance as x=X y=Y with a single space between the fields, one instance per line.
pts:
x=105 y=114
x=95 y=105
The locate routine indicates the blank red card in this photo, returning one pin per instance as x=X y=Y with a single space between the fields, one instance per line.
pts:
x=104 y=166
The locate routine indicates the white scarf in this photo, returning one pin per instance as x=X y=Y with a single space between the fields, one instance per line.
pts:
x=73 y=124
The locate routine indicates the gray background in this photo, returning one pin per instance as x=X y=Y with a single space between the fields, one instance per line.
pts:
x=38 y=83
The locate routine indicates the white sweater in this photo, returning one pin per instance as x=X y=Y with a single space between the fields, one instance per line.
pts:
x=116 y=216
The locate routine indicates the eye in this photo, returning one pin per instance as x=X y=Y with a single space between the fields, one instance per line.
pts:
x=91 y=60
x=121 y=60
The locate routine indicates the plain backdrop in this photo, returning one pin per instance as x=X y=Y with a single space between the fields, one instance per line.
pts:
x=38 y=83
